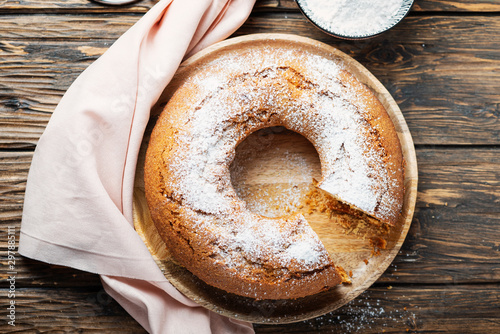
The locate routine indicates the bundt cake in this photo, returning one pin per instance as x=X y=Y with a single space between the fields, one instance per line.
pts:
x=206 y=226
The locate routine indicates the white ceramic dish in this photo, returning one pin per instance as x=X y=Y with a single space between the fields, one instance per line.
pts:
x=355 y=19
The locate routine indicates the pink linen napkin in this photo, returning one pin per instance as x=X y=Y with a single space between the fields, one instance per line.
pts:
x=78 y=202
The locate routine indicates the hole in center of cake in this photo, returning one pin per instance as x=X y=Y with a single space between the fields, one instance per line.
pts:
x=273 y=170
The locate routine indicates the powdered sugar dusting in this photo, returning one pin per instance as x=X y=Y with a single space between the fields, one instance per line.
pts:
x=304 y=251
x=354 y=17
x=263 y=241
x=267 y=87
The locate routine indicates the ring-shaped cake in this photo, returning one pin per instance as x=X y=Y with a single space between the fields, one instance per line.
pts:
x=207 y=227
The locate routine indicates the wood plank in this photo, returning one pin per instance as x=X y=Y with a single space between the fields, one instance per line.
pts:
x=282 y=5
x=31 y=273
x=469 y=180
x=459 y=192
x=448 y=308
x=65 y=311
x=453 y=238
x=418 y=6
x=13 y=175
x=62 y=28
x=82 y=27
x=443 y=246
x=72 y=6
x=446 y=84
x=456 y=5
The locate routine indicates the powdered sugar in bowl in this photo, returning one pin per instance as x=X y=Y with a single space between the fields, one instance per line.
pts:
x=355 y=19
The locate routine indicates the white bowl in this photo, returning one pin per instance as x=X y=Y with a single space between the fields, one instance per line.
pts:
x=355 y=19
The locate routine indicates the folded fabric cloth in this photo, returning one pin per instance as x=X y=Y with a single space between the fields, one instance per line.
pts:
x=78 y=202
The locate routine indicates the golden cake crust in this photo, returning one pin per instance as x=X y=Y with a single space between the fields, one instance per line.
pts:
x=207 y=228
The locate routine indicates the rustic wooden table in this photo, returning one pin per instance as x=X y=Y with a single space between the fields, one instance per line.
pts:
x=442 y=66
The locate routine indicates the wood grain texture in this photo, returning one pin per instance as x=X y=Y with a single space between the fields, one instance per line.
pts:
x=440 y=64
x=382 y=308
x=456 y=5
x=281 y=5
x=401 y=309
x=66 y=311
x=71 y=6
x=416 y=59
x=457 y=214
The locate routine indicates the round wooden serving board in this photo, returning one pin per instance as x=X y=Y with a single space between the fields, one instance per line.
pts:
x=272 y=172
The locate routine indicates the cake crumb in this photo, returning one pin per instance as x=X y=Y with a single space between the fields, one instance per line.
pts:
x=377 y=244
x=343 y=275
